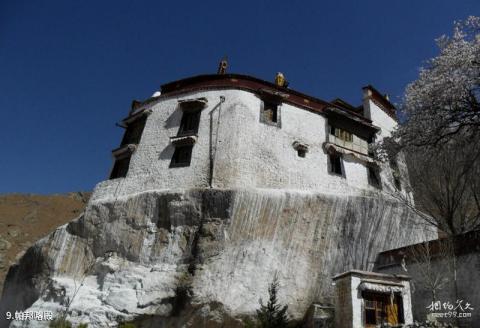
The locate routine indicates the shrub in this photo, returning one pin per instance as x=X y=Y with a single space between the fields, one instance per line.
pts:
x=60 y=322
x=272 y=315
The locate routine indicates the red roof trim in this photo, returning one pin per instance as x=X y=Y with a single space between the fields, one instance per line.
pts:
x=249 y=83
x=382 y=102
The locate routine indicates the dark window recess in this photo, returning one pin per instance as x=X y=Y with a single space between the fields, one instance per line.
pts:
x=374 y=176
x=132 y=135
x=332 y=129
x=120 y=168
x=190 y=122
x=335 y=164
x=370 y=312
x=134 y=131
x=401 y=315
x=397 y=182
x=270 y=113
x=396 y=174
x=380 y=308
x=301 y=152
x=182 y=156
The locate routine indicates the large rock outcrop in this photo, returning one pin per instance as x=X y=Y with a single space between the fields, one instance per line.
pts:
x=181 y=258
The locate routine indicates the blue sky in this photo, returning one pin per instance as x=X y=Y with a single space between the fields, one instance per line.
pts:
x=70 y=69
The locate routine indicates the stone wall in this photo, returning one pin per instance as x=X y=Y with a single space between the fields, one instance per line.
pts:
x=343 y=303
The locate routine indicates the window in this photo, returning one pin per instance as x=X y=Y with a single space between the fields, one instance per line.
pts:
x=374 y=176
x=396 y=174
x=270 y=113
x=188 y=127
x=370 y=312
x=397 y=182
x=120 y=168
x=134 y=131
x=132 y=136
x=335 y=164
x=380 y=309
x=182 y=156
x=190 y=122
x=341 y=134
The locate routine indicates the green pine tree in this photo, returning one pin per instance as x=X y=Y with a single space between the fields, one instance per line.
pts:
x=272 y=315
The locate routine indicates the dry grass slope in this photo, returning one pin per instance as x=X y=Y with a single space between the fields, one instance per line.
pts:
x=25 y=218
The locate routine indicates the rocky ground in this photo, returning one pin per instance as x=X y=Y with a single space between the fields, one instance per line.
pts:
x=25 y=218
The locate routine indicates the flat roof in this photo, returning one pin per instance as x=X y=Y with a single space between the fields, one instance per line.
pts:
x=370 y=274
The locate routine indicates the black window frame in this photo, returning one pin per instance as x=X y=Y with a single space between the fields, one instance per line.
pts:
x=274 y=106
x=120 y=167
x=134 y=131
x=374 y=178
x=373 y=313
x=301 y=152
x=190 y=122
x=177 y=161
x=335 y=165
x=132 y=136
x=397 y=181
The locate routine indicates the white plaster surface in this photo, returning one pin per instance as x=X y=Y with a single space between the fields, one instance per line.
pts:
x=247 y=153
x=379 y=118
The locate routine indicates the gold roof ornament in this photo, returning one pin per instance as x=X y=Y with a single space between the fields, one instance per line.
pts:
x=280 y=80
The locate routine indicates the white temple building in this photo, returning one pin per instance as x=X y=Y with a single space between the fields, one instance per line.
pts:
x=220 y=183
x=237 y=131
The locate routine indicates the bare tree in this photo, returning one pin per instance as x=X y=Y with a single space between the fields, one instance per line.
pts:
x=434 y=265
x=445 y=181
x=446 y=184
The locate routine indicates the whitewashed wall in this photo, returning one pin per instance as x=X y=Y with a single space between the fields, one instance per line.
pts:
x=249 y=154
x=378 y=117
x=387 y=124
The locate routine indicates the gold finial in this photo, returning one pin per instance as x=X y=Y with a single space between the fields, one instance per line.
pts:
x=280 y=80
x=222 y=66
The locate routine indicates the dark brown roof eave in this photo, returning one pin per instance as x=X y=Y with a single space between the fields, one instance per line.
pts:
x=203 y=79
x=351 y=116
x=383 y=102
x=255 y=85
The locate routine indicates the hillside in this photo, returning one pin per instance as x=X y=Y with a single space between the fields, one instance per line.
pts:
x=25 y=218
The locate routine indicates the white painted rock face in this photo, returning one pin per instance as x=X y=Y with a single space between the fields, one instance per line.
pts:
x=203 y=253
